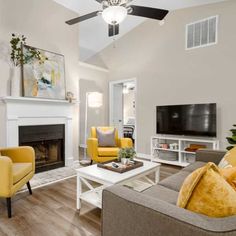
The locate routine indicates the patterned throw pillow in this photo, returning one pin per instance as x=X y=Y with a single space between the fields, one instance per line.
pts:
x=206 y=192
x=106 y=138
x=230 y=176
x=229 y=160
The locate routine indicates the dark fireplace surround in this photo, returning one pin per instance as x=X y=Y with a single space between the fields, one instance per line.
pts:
x=48 y=142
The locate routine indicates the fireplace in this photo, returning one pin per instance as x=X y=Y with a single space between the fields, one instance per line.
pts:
x=48 y=142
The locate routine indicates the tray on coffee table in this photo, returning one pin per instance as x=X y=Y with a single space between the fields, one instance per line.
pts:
x=122 y=168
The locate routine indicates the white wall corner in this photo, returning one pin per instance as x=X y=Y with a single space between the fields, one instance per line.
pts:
x=90 y=66
x=144 y=156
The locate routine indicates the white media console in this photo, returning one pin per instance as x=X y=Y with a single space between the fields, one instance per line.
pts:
x=175 y=154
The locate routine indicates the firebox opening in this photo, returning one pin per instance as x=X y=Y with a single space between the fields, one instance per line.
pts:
x=48 y=142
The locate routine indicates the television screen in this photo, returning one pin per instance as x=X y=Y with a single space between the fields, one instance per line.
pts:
x=192 y=120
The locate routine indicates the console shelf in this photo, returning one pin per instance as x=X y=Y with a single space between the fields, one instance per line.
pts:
x=177 y=156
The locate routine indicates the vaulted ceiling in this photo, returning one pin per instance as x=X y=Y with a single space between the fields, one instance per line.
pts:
x=93 y=33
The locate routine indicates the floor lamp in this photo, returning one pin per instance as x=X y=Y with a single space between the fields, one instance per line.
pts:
x=93 y=100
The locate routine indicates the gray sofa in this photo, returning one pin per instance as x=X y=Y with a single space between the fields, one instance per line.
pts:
x=154 y=211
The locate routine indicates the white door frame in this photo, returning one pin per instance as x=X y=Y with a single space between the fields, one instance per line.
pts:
x=111 y=84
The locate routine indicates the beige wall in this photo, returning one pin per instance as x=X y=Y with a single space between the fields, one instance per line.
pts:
x=43 y=23
x=92 y=80
x=168 y=74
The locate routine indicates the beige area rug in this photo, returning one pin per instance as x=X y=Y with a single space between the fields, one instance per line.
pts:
x=52 y=176
x=60 y=174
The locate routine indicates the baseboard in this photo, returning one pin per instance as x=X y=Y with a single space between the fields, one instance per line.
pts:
x=83 y=146
x=69 y=161
x=76 y=162
x=144 y=156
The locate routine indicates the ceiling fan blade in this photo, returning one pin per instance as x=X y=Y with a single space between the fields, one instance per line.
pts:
x=100 y=1
x=148 y=12
x=113 y=30
x=82 y=18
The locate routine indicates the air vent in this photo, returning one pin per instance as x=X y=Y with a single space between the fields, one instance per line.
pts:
x=202 y=33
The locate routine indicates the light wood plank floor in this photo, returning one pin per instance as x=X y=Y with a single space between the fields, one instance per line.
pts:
x=51 y=210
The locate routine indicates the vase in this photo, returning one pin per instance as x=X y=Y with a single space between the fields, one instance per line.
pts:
x=15 y=81
x=124 y=161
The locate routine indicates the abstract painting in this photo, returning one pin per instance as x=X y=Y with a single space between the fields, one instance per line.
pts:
x=44 y=77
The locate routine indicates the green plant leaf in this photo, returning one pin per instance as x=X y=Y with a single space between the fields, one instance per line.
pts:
x=230 y=147
x=18 y=57
x=230 y=140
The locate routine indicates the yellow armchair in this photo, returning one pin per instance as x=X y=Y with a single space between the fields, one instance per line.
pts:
x=17 y=167
x=103 y=154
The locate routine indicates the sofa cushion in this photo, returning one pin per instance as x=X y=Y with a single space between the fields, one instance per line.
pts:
x=106 y=138
x=162 y=193
x=108 y=151
x=20 y=170
x=229 y=160
x=206 y=192
x=175 y=182
x=194 y=166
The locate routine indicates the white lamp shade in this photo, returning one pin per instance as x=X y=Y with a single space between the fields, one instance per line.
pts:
x=95 y=99
x=114 y=14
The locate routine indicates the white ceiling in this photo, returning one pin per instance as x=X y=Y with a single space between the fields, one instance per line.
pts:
x=94 y=32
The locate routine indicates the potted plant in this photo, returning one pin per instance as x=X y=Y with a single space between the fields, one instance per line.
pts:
x=232 y=140
x=18 y=59
x=126 y=154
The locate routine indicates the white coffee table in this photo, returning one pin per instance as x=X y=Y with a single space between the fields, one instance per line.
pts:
x=108 y=178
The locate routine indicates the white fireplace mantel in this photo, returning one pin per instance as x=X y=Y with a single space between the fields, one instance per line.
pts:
x=32 y=100
x=21 y=111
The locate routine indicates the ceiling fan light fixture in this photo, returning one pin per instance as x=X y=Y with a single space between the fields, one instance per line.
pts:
x=114 y=14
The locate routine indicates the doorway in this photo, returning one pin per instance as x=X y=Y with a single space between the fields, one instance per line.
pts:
x=122 y=107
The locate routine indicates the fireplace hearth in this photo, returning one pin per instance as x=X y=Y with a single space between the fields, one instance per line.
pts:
x=48 y=142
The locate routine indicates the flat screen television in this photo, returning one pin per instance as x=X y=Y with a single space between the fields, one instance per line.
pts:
x=191 y=120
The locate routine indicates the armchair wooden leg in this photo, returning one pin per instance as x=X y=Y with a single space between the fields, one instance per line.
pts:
x=29 y=188
x=9 y=207
x=91 y=162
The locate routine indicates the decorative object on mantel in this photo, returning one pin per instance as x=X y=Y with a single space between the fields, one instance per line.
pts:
x=126 y=154
x=232 y=140
x=44 y=78
x=70 y=97
x=18 y=59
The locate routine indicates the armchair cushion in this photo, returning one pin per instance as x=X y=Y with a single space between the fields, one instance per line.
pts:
x=6 y=180
x=106 y=138
x=20 y=170
x=108 y=151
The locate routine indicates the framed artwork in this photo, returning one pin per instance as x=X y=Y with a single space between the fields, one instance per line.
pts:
x=44 y=77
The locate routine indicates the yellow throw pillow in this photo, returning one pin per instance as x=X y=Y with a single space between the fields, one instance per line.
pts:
x=230 y=175
x=205 y=191
x=229 y=160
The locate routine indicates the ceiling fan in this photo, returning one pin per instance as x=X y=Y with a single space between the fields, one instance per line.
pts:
x=115 y=11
